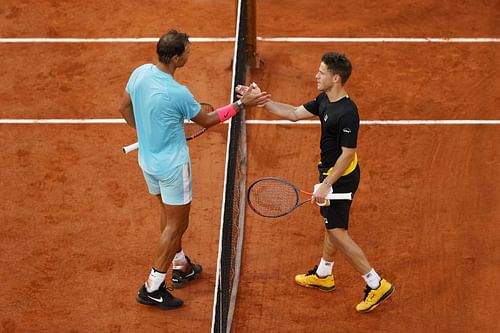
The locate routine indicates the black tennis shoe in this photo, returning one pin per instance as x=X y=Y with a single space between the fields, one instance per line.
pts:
x=161 y=298
x=180 y=278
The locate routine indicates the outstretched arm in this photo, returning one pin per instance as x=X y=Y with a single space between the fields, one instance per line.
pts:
x=281 y=110
x=248 y=98
x=287 y=111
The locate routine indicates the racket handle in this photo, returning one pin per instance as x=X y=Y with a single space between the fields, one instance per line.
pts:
x=339 y=196
x=130 y=148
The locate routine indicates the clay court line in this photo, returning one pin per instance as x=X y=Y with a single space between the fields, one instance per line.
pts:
x=110 y=40
x=261 y=39
x=264 y=122
x=376 y=40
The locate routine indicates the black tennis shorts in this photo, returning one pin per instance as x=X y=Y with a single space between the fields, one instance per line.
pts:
x=337 y=214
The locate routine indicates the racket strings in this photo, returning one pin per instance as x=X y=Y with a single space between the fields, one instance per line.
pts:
x=192 y=129
x=272 y=198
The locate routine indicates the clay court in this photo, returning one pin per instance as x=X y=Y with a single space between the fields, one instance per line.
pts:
x=78 y=229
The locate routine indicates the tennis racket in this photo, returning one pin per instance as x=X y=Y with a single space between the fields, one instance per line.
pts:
x=191 y=129
x=275 y=197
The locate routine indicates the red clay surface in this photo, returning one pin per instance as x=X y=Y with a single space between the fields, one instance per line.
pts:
x=87 y=80
x=425 y=215
x=361 y=18
x=78 y=230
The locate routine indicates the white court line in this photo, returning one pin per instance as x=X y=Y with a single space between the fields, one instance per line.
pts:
x=63 y=121
x=383 y=122
x=376 y=40
x=110 y=40
x=262 y=39
x=264 y=122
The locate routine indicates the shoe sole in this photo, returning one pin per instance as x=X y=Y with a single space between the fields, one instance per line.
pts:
x=325 y=289
x=182 y=284
x=163 y=307
x=383 y=298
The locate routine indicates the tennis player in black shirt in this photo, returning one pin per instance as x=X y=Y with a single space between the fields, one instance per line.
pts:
x=338 y=171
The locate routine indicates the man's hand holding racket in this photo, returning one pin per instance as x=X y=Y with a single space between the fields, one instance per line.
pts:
x=274 y=197
x=320 y=193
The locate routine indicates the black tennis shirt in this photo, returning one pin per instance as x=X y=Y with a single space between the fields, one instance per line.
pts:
x=339 y=126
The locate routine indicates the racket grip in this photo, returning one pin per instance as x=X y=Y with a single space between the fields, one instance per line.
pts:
x=130 y=148
x=325 y=203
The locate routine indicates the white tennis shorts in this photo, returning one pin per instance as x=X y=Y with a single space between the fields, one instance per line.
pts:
x=175 y=188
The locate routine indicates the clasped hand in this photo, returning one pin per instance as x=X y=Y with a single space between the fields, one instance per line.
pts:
x=253 y=91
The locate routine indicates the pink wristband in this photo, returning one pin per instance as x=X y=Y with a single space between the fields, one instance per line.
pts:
x=226 y=112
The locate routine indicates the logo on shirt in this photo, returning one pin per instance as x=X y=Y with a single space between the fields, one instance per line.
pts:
x=325 y=118
x=346 y=130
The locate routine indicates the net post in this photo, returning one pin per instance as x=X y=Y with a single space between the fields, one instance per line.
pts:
x=253 y=57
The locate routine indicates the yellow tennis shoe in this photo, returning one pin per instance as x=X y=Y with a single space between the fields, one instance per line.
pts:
x=373 y=297
x=312 y=280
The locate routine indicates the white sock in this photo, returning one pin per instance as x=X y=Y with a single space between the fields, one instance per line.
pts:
x=372 y=279
x=325 y=268
x=154 y=281
x=179 y=260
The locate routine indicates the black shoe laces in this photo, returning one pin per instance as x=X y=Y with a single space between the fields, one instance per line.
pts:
x=312 y=271
x=168 y=289
x=367 y=291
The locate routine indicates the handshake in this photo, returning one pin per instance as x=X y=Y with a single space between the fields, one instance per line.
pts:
x=252 y=95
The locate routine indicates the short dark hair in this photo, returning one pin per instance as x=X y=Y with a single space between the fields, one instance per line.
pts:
x=338 y=63
x=171 y=44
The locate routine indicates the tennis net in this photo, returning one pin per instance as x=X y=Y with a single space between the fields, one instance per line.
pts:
x=233 y=207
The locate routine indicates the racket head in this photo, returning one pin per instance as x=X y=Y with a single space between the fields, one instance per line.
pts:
x=273 y=197
x=192 y=129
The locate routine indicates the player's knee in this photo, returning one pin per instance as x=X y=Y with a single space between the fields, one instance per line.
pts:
x=338 y=236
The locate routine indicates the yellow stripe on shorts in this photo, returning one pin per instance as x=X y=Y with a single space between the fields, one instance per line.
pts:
x=350 y=169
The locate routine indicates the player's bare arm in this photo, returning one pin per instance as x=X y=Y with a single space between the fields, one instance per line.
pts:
x=286 y=111
x=281 y=110
x=339 y=169
x=127 y=110
x=248 y=98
